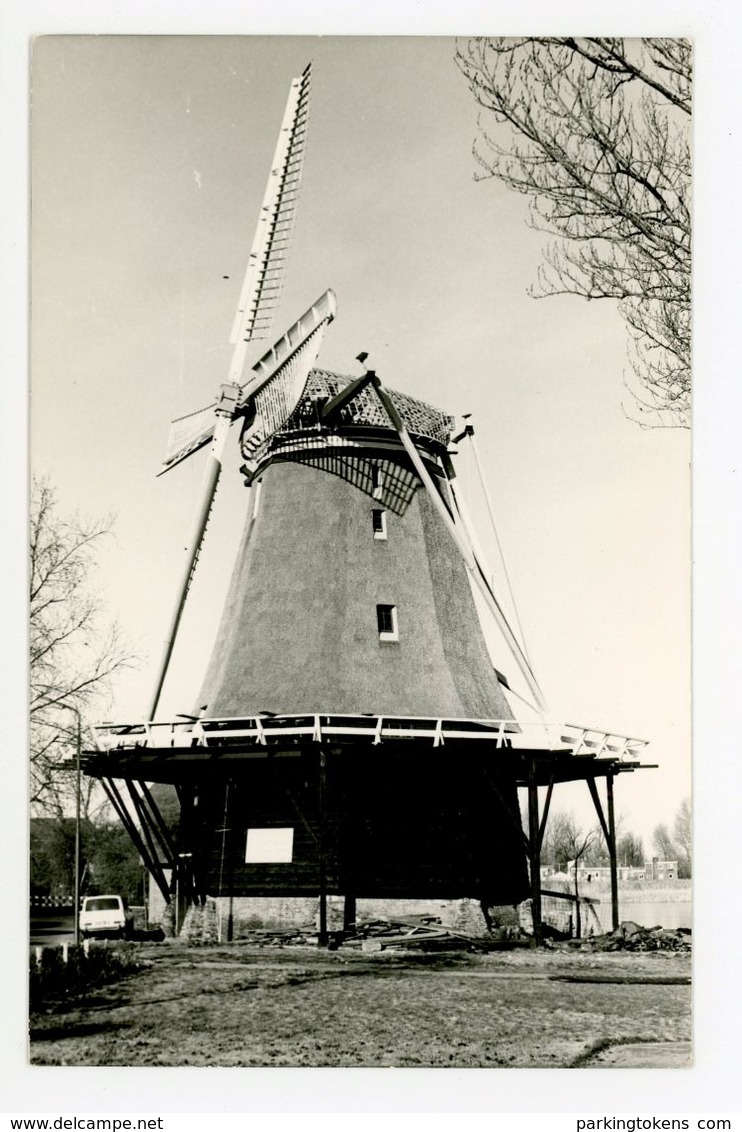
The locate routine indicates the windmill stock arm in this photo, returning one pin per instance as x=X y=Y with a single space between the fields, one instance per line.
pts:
x=195 y=542
x=470 y=559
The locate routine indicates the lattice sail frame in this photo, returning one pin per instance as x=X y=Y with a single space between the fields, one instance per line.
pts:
x=188 y=434
x=263 y=281
x=275 y=402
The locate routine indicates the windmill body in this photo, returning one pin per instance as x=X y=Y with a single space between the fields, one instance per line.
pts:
x=339 y=535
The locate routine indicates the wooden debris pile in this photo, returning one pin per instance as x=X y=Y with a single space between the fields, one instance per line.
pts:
x=629 y=936
x=278 y=937
x=425 y=933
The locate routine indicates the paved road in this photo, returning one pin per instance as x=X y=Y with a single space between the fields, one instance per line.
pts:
x=59 y=927
x=645 y=1055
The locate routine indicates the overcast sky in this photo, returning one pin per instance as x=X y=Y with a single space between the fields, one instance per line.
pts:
x=150 y=156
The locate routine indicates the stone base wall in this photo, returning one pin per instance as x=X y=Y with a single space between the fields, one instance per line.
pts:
x=274 y=911
x=251 y=912
x=303 y=913
x=461 y=915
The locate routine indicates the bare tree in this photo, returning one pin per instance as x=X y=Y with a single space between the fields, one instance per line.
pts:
x=555 y=839
x=630 y=849
x=664 y=844
x=682 y=835
x=568 y=844
x=74 y=651
x=676 y=846
x=596 y=131
x=111 y=861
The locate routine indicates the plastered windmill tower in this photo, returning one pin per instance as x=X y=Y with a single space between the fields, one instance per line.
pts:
x=351 y=736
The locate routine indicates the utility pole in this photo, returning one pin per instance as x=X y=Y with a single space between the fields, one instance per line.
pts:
x=78 y=756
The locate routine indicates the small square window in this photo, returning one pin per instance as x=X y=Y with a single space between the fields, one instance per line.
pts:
x=378 y=523
x=386 y=620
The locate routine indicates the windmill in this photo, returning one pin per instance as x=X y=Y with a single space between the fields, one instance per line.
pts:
x=351 y=735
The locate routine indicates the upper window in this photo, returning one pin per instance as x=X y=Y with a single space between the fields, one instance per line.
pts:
x=378 y=523
x=377 y=480
x=256 y=504
x=386 y=620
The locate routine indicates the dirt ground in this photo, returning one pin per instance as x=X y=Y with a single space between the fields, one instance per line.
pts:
x=252 y=1005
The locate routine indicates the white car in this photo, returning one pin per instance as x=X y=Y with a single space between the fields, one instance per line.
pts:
x=105 y=916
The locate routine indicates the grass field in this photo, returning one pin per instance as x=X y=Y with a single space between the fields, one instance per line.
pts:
x=247 y=1005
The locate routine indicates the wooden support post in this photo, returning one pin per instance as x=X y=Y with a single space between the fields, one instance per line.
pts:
x=223 y=855
x=535 y=852
x=609 y=833
x=163 y=833
x=230 y=882
x=323 y=937
x=349 y=914
x=145 y=823
x=230 y=914
x=129 y=825
x=612 y=851
x=545 y=814
x=188 y=838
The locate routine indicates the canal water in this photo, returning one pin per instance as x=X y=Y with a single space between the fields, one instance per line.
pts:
x=647 y=913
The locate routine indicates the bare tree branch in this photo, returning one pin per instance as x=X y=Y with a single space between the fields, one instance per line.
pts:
x=74 y=652
x=596 y=132
x=676 y=846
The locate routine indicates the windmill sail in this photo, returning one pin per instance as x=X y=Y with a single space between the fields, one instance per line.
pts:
x=263 y=281
x=282 y=373
x=188 y=434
